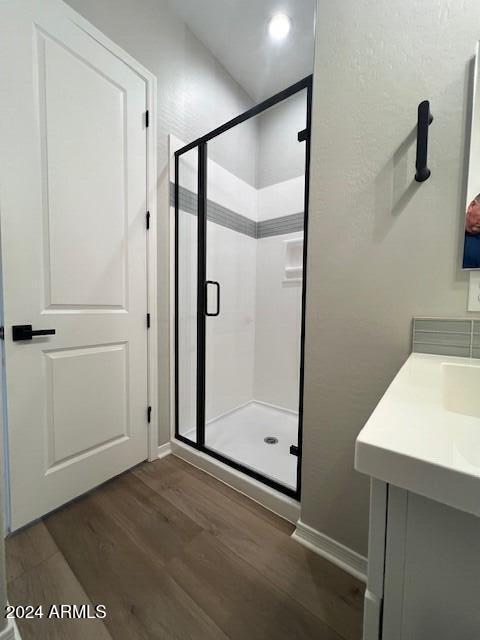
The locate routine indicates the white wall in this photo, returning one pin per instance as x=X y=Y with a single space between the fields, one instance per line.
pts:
x=195 y=94
x=278 y=302
x=381 y=248
x=282 y=198
x=277 y=326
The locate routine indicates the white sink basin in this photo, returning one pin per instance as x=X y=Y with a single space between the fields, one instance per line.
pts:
x=461 y=388
x=424 y=435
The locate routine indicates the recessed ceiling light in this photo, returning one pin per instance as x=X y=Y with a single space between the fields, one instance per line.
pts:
x=279 y=26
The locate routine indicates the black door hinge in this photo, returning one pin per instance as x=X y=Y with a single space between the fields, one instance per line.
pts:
x=294 y=450
x=147 y=118
x=148 y=321
x=149 y=414
x=2 y=333
x=147 y=219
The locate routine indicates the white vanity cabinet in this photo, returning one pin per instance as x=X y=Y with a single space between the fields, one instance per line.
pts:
x=424 y=569
x=421 y=448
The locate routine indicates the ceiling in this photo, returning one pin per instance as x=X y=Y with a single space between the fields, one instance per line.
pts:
x=236 y=33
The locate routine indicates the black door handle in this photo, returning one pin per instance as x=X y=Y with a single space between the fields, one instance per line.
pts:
x=25 y=332
x=216 y=284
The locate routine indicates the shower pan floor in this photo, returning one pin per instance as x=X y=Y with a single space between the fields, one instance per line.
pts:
x=240 y=435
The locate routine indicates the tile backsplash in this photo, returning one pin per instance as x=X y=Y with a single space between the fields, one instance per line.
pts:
x=446 y=336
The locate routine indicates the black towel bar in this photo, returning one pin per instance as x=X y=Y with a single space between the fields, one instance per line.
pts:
x=425 y=119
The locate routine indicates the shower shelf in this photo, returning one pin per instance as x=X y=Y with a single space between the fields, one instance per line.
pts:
x=293 y=260
x=293 y=273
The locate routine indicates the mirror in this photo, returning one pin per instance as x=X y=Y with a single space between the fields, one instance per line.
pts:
x=471 y=253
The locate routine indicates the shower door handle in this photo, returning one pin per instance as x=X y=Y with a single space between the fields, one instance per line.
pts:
x=217 y=285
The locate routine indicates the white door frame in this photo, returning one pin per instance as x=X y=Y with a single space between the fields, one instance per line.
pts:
x=151 y=239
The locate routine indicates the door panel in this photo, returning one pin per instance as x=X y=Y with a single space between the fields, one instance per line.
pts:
x=79 y=418
x=78 y=99
x=73 y=184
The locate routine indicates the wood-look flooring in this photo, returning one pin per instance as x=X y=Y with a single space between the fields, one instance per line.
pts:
x=175 y=554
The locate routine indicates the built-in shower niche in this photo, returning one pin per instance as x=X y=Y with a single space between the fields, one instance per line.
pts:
x=293 y=260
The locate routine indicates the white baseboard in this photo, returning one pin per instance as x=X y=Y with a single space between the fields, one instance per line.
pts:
x=11 y=631
x=163 y=450
x=345 y=558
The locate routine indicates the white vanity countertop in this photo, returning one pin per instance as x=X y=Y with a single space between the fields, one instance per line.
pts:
x=424 y=435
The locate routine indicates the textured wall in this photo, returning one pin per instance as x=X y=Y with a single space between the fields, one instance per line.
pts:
x=381 y=248
x=195 y=94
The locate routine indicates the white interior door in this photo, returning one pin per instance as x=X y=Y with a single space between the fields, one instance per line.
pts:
x=73 y=240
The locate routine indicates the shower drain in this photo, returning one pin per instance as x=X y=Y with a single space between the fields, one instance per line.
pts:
x=270 y=440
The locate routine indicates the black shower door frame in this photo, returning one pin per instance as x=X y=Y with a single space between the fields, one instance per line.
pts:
x=201 y=145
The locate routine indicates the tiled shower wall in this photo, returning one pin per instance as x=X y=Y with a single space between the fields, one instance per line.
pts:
x=447 y=337
x=278 y=307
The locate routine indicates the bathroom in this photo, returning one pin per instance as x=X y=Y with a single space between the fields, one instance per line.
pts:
x=295 y=269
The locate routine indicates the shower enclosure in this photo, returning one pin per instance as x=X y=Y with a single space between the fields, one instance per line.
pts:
x=240 y=264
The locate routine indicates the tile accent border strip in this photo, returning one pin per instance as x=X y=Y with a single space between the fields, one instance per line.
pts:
x=279 y=226
x=447 y=336
x=235 y=221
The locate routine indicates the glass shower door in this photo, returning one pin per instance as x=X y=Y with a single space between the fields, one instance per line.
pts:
x=230 y=310
x=240 y=289
x=253 y=315
x=186 y=268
